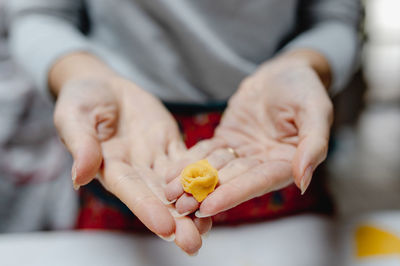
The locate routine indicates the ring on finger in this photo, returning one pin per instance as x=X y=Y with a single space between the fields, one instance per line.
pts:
x=233 y=152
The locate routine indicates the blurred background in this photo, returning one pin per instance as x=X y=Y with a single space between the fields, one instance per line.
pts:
x=364 y=170
x=364 y=167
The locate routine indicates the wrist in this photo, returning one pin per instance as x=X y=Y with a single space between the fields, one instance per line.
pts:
x=77 y=66
x=312 y=59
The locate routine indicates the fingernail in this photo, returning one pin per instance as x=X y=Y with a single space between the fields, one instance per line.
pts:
x=205 y=235
x=193 y=254
x=76 y=186
x=305 y=180
x=73 y=172
x=168 y=238
x=199 y=215
x=172 y=201
x=178 y=215
x=167 y=202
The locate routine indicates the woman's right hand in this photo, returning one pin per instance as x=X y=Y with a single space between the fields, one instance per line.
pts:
x=113 y=127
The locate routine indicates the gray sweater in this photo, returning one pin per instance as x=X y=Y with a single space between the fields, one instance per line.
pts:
x=184 y=50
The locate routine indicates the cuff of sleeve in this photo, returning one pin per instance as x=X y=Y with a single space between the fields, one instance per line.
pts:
x=49 y=40
x=338 y=43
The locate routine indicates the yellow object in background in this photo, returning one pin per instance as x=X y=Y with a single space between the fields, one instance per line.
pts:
x=372 y=241
x=199 y=179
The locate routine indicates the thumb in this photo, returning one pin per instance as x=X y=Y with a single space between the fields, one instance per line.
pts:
x=82 y=142
x=311 y=151
x=85 y=114
x=313 y=145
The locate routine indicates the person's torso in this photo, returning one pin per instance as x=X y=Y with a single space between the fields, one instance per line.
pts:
x=186 y=50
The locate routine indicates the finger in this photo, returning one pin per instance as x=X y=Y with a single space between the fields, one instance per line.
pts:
x=236 y=168
x=203 y=225
x=220 y=157
x=127 y=184
x=205 y=147
x=313 y=146
x=83 y=122
x=176 y=149
x=173 y=190
x=210 y=149
x=187 y=237
x=186 y=204
x=153 y=182
x=311 y=151
x=163 y=161
x=197 y=152
x=82 y=142
x=253 y=183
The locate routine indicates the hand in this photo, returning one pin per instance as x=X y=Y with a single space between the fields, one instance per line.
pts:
x=113 y=127
x=277 y=124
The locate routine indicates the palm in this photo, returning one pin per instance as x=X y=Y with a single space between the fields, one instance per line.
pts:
x=258 y=128
x=277 y=124
x=136 y=154
x=134 y=138
x=264 y=135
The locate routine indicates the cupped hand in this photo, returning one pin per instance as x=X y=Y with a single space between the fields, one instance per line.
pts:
x=114 y=128
x=274 y=131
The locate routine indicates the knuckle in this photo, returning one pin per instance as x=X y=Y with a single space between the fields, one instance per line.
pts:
x=139 y=201
x=263 y=177
x=235 y=188
x=121 y=182
x=115 y=184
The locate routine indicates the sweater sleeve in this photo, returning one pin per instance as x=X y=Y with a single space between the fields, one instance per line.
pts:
x=331 y=28
x=42 y=31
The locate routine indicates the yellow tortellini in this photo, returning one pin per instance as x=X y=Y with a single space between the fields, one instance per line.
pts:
x=199 y=179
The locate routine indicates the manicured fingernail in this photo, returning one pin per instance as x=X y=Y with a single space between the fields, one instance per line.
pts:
x=193 y=254
x=178 y=215
x=172 y=201
x=168 y=238
x=306 y=179
x=73 y=173
x=199 y=215
x=167 y=202
x=75 y=185
x=205 y=235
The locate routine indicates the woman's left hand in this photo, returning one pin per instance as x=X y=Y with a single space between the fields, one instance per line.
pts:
x=275 y=130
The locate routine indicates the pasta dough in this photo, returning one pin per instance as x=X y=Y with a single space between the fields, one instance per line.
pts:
x=199 y=179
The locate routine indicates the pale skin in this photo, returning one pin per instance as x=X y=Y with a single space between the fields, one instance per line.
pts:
x=100 y=118
x=277 y=122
